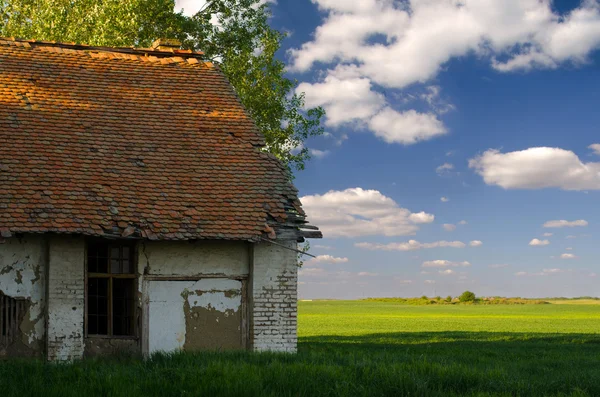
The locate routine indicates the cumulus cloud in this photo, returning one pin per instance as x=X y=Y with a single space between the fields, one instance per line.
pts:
x=568 y=256
x=407 y=127
x=367 y=274
x=596 y=148
x=564 y=223
x=449 y=227
x=447 y=272
x=429 y=281
x=548 y=234
x=392 y=45
x=319 y=154
x=444 y=168
x=544 y=272
x=476 y=243
x=536 y=242
x=537 y=168
x=357 y=212
x=527 y=32
x=325 y=259
x=411 y=245
x=445 y=263
x=444 y=199
x=463 y=222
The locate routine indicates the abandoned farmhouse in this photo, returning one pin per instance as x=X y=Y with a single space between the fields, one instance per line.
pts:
x=139 y=211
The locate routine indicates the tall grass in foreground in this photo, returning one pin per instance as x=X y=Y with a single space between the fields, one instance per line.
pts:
x=362 y=349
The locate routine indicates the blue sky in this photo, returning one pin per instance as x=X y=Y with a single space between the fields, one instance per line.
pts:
x=491 y=105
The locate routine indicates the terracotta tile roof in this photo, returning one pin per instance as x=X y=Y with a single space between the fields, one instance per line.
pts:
x=131 y=142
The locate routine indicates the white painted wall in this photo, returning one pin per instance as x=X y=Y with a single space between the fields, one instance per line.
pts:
x=22 y=275
x=184 y=258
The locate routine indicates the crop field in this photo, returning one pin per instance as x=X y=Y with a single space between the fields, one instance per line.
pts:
x=363 y=348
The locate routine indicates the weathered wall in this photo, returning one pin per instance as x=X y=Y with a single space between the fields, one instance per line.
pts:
x=66 y=290
x=273 y=284
x=22 y=275
x=195 y=315
x=183 y=258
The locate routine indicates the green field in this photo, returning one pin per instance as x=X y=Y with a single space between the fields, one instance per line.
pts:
x=360 y=348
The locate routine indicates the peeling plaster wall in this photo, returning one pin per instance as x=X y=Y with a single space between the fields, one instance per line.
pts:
x=273 y=284
x=22 y=275
x=183 y=258
x=66 y=297
x=195 y=315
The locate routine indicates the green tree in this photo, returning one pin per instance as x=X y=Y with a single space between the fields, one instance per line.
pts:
x=467 y=296
x=241 y=42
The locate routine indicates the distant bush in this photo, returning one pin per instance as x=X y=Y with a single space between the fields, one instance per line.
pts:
x=449 y=299
x=467 y=296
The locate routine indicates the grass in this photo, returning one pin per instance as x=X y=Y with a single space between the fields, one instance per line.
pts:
x=363 y=348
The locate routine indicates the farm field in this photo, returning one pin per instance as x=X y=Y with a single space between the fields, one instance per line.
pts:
x=361 y=348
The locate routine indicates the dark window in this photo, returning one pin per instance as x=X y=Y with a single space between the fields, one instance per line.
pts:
x=110 y=288
x=11 y=314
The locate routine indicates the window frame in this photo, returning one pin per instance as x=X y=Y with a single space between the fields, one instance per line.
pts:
x=132 y=244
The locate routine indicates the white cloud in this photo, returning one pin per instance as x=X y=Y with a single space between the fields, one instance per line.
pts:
x=569 y=248
x=421 y=217
x=357 y=212
x=444 y=168
x=596 y=148
x=570 y=236
x=325 y=259
x=537 y=168
x=463 y=222
x=407 y=127
x=527 y=32
x=319 y=154
x=536 y=242
x=449 y=227
x=429 y=281
x=367 y=274
x=548 y=234
x=476 y=243
x=346 y=98
x=445 y=263
x=311 y=271
x=510 y=35
x=567 y=256
x=564 y=223
x=444 y=199
x=544 y=272
x=447 y=272
x=411 y=245
x=323 y=247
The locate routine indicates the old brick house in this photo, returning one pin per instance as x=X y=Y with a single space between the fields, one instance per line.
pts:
x=137 y=209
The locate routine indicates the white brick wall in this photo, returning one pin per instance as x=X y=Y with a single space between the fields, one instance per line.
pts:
x=274 y=281
x=66 y=298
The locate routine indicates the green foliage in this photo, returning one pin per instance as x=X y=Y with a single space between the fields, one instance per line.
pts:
x=303 y=248
x=467 y=296
x=241 y=41
x=449 y=299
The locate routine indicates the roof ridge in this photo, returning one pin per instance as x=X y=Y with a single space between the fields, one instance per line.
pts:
x=164 y=53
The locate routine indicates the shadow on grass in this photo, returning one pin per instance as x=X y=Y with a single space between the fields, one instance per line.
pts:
x=399 y=339
x=382 y=364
